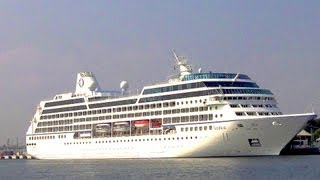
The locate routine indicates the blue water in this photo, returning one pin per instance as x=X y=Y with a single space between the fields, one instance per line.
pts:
x=275 y=167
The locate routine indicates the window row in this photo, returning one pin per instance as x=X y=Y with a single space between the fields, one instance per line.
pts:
x=31 y=144
x=253 y=105
x=165 y=112
x=65 y=109
x=46 y=137
x=194 y=118
x=200 y=128
x=211 y=75
x=205 y=93
x=41 y=137
x=258 y=113
x=123 y=109
x=65 y=102
x=174 y=88
x=54 y=129
x=248 y=98
x=113 y=103
x=55 y=123
x=135 y=140
x=110 y=110
x=231 y=84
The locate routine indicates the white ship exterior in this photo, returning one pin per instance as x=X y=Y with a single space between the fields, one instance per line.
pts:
x=191 y=115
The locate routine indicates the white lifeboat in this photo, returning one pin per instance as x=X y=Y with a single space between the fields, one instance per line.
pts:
x=121 y=126
x=103 y=128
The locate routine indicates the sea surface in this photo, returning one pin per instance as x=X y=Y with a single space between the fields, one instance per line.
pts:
x=272 y=167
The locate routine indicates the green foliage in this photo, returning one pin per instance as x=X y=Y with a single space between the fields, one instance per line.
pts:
x=316 y=133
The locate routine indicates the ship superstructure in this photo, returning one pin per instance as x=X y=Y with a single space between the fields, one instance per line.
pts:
x=200 y=114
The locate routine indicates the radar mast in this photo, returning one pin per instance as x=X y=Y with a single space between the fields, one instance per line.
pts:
x=184 y=67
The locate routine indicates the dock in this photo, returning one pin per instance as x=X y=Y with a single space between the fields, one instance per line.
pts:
x=6 y=155
x=16 y=157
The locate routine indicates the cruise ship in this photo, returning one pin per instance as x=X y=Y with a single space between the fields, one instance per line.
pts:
x=192 y=114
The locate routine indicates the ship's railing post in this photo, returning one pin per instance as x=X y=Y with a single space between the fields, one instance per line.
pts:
x=130 y=127
x=111 y=132
x=149 y=126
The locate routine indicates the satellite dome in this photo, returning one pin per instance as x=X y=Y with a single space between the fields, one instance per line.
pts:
x=124 y=85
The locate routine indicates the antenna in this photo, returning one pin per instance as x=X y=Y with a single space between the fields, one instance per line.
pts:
x=176 y=57
x=183 y=65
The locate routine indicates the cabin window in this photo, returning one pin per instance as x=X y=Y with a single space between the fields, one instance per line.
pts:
x=165 y=104
x=172 y=104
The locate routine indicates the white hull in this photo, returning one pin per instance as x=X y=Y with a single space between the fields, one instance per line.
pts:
x=227 y=138
x=190 y=115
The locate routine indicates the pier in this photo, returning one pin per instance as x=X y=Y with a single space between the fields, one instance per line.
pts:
x=14 y=152
x=16 y=157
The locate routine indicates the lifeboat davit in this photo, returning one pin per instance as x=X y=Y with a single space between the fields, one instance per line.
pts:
x=141 y=123
x=121 y=124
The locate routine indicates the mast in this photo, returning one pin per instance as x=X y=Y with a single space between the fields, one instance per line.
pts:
x=184 y=67
x=176 y=57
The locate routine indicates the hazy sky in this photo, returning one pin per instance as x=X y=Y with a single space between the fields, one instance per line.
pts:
x=43 y=44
